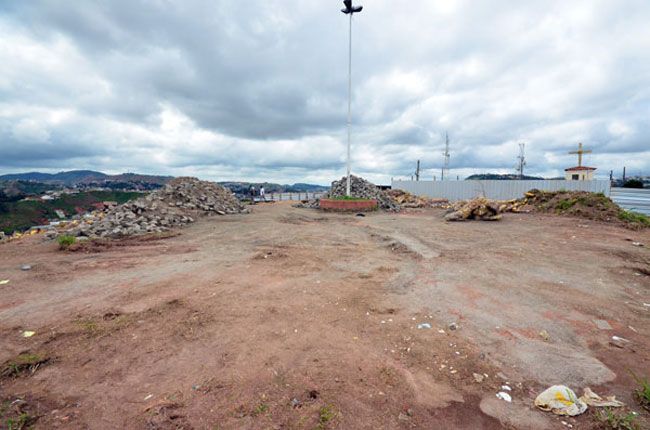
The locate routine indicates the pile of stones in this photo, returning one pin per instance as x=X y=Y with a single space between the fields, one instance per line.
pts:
x=180 y=202
x=362 y=189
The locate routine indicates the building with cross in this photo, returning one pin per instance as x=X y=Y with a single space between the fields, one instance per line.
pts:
x=579 y=172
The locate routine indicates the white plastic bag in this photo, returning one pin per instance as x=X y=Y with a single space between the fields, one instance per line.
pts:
x=560 y=400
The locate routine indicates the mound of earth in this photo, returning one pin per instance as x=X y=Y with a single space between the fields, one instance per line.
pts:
x=594 y=206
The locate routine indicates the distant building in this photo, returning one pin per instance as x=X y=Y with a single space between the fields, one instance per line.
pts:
x=579 y=173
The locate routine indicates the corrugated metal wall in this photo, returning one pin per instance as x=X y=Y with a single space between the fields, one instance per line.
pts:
x=498 y=190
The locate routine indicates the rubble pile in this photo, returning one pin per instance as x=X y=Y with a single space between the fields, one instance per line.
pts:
x=407 y=200
x=176 y=204
x=476 y=209
x=362 y=189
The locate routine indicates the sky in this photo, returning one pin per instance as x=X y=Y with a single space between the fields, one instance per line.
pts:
x=257 y=89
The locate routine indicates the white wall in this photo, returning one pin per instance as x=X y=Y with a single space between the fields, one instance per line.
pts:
x=497 y=190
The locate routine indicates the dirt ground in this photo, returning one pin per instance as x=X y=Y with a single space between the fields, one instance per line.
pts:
x=294 y=319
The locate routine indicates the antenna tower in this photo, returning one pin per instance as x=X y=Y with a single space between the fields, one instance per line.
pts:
x=445 y=169
x=521 y=161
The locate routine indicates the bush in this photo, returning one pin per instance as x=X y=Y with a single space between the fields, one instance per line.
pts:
x=633 y=183
x=66 y=241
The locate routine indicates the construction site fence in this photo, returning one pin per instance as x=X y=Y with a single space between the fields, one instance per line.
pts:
x=278 y=197
x=495 y=189
x=633 y=199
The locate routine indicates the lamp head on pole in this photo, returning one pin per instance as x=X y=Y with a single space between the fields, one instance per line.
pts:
x=349 y=9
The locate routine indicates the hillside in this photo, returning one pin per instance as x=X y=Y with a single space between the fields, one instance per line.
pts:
x=23 y=214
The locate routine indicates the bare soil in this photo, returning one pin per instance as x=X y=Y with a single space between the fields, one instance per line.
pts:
x=295 y=319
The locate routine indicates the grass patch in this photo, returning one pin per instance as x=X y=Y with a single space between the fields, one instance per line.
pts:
x=611 y=420
x=65 y=241
x=565 y=204
x=634 y=218
x=325 y=415
x=25 y=363
x=642 y=393
x=20 y=422
x=260 y=409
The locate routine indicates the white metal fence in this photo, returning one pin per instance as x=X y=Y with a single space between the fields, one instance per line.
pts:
x=492 y=189
x=278 y=197
x=633 y=199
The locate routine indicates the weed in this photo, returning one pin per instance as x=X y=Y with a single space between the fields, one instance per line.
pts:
x=23 y=363
x=19 y=423
x=65 y=241
x=617 y=421
x=325 y=415
x=635 y=218
x=642 y=393
x=564 y=205
x=260 y=409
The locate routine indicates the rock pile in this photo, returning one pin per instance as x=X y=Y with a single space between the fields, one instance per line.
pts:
x=362 y=189
x=176 y=204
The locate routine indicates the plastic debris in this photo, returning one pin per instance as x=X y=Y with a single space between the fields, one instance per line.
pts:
x=504 y=396
x=560 y=400
x=506 y=388
x=28 y=333
x=4 y=281
x=148 y=397
x=637 y=244
x=25 y=267
x=424 y=325
x=593 y=399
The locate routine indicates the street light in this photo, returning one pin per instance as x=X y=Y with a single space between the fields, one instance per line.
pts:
x=349 y=10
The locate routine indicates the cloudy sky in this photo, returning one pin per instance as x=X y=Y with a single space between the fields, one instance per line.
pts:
x=257 y=89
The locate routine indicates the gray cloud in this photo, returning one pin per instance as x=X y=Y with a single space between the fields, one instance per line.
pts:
x=220 y=89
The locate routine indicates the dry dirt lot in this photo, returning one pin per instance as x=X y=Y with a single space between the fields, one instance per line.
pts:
x=295 y=319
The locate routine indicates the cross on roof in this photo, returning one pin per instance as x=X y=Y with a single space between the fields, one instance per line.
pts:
x=580 y=151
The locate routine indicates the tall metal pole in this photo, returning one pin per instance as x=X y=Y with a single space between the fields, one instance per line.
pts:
x=347 y=187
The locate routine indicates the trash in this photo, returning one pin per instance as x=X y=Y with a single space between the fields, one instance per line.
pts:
x=619 y=339
x=295 y=403
x=28 y=333
x=637 y=244
x=618 y=342
x=25 y=267
x=560 y=400
x=4 y=281
x=593 y=399
x=504 y=396
x=478 y=377
x=544 y=335
x=148 y=397
x=602 y=324
x=361 y=215
x=506 y=388
x=424 y=325
x=452 y=326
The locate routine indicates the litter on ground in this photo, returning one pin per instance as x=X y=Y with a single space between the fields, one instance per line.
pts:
x=560 y=400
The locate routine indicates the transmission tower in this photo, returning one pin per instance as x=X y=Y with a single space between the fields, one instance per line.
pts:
x=521 y=161
x=445 y=168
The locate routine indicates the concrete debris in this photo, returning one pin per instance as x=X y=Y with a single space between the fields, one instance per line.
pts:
x=362 y=189
x=478 y=377
x=176 y=204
